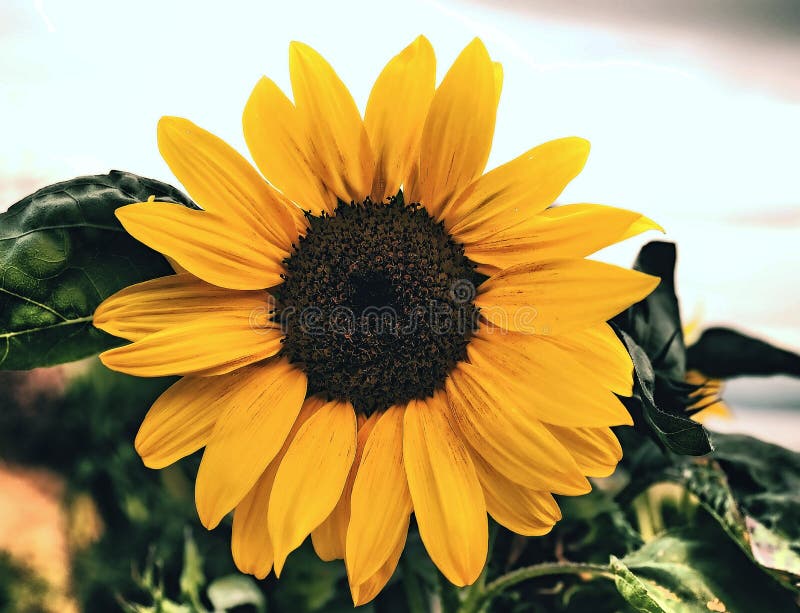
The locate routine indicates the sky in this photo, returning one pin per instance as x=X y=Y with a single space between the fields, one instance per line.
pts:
x=693 y=113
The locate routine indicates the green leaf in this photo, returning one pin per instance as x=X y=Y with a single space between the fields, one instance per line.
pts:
x=722 y=353
x=696 y=570
x=655 y=322
x=633 y=589
x=234 y=591
x=673 y=429
x=652 y=332
x=753 y=490
x=62 y=252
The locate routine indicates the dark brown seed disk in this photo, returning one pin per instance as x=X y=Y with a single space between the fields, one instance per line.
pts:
x=377 y=304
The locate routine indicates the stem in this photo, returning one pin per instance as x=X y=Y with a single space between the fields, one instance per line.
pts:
x=411 y=585
x=503 y=582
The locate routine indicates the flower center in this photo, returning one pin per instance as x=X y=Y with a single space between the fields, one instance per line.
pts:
x=371 y=289
x=377 y=304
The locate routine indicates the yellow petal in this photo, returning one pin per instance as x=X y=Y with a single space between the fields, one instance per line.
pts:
x=340 y=151
x=206 y=244
x=411 y=184
x=247 y=436
x=380 y=503
x=570 y=231
x=516 y=191
x=458 y=131
x=181 y=420
x=330 y=537
x=493 y=420
x=447 y=496
x=545 y=379
x=250 y=543
x=222 y=181
x=718 y=409
x=498 y=81
x=707 y=398
x=158 y=304
x=311 y=477
x=297 y=215
x=642 y=224
x=596 y=450
x=214 y=344
x=520 y=509
x=396 y=111
x=603 y=216
x=176 y=268
x=561 y=295
x=280 y=146
x=364 y=592
x=599 y=350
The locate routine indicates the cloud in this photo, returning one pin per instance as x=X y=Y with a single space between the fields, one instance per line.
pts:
x=757 y=41
x=777 y=217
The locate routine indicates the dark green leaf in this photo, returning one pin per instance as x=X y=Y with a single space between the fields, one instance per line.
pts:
x=752 y=489
x=651 y=330
x=595 y=596
x=655 y=322
x=62 y=252
x=633 y=589
x=763 y=484
x=673 y=430
x=696 y=570
x=722 y=353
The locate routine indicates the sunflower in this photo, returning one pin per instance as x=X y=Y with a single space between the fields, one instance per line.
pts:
x=375 y=328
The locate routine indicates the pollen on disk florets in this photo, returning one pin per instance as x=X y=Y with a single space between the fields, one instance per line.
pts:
x=377 y=303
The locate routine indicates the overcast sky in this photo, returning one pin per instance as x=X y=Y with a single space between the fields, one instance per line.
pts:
x=757 y=41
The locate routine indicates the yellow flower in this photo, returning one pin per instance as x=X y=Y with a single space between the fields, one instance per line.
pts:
x=378 y=328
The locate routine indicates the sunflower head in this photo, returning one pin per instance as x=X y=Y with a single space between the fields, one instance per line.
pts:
x=372 y=326
x=380 y=316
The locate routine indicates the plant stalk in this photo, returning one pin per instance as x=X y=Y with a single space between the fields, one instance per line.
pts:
x=499 y=585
